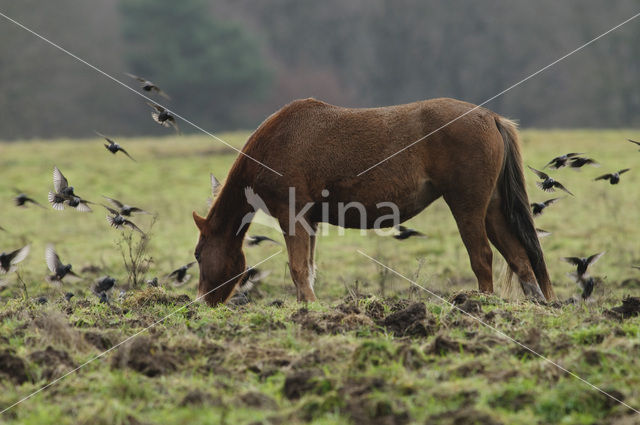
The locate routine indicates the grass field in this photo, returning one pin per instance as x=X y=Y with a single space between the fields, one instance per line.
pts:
x=374 y=349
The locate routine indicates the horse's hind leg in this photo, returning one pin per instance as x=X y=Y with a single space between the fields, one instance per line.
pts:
x=511 y=249
x=470 y=218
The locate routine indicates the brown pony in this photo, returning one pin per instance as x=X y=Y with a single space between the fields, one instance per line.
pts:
x=474 y=163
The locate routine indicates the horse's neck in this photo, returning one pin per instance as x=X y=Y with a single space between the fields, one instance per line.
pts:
x=226 y=216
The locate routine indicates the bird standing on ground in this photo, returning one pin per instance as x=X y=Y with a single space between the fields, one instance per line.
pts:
x=104 y=284
x=147 y=85
x=405 y=233
x=180 y=274
x=548 y=184
x=64 y=194
x=162 y=116
x=577 y=163
x=125 y=210
x=583 y=263
x=59 y=270
x=153 y=282
x=9 y=259
x=561 y=161
x=614 y=178
x=22 y=199
x=538 y=207
x=118 y=221
x=254 y=240
x=113 y=147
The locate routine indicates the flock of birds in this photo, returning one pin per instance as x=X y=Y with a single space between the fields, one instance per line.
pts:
x=120 y=215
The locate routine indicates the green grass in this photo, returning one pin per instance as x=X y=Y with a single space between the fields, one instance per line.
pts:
x=239 y=364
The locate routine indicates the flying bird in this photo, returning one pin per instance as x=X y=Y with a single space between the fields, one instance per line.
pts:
x=162 y=116
x=586 y=283
x=65 y=195
x=633 y=141
x=255 y=240
x=548 y=184
x=405 y=233
x=22 y=199
x=542 y=233
x=124 y=209
x=147 y=85
x=180 y=274
x=114 y=147
x=583 y=263
x=561 y=161
x=538 y=207
x=9 y=259
x=579 y=162
x=250 y=278
x=103 y=284
x=614 y=178
x=118 y=221
x=59 y=270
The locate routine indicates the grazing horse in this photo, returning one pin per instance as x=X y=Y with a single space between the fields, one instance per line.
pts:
x=474 y=163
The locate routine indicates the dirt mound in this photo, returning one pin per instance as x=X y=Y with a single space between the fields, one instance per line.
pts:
x=630 y=308
x=331 y=322
x=142 y=355
x=54 y=362
x=153 y=295
x=199 y=398
x=363 y=409
x=98 y=340
x=463 y=416
x=258 y=400
x=12 y=367
x=410 y=321
x=299 y=383
x=375 y=310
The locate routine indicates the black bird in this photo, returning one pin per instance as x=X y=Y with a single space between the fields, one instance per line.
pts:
x=586 y=283
x=64 y=194
x=22 y=199
x=405 y=233
x=614 y=178
x=10 y=259
x=68 y=296
x=250 y=278
x=118 y=221
x=104 y=298
x=633 y=141
x=162 y=116
x=114 y=147
x=147 y=85
x=561 y=161
x=41 y=300
x=104 y=284
x=153 y=282
x=548 y=184
x=254 y=240
x=538 y=207
x=59 y=270
x=583 y=263
x=180 y=274
x=125 y=210
x=580 y=162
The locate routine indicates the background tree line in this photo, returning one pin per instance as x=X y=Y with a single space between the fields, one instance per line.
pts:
x=229 y=63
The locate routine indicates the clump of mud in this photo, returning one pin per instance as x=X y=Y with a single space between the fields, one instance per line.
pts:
x=12 y=367
x=630 y=308
x=299 y=383
x=199 y=398
x=54 y=362
x=410 y=321
x=364 y=409
x=98 y=340
x=332 y=322
x=142 y=355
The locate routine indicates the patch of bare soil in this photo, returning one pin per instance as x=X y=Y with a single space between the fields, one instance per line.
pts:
x=12 y=367
x=199 y=398
x=364 y=410
x=410 y=321
x=375 y=310
x=630 y=308
x=442 y=345
x=258 y=400
x=463 y=416
x=98 y=340
x=533 y=341
x=54 y=362
x=332 y=322
x=300 y=382
x=142 y=355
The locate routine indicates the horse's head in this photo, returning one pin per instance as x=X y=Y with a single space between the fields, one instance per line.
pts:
x=221 y=263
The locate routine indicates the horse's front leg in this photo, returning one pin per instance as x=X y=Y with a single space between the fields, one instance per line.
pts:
x=300 y=263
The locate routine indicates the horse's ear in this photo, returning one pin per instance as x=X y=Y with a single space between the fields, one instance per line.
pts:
x=200 y=221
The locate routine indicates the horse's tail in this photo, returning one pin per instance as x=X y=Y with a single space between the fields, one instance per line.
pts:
x=515 y=202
